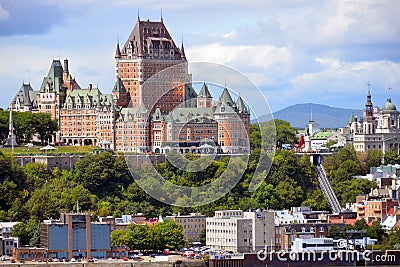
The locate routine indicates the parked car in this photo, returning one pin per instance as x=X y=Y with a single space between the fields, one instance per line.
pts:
x=189 y=254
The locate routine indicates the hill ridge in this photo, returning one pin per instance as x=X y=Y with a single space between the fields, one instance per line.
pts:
x=327 y=116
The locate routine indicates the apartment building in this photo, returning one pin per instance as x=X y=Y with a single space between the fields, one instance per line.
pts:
x=239 y=231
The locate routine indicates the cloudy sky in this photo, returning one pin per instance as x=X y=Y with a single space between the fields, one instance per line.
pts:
x=295 y=51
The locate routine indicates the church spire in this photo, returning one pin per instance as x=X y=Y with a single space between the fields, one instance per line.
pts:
x=183 y=51
x=117 y=51
x=368 y=104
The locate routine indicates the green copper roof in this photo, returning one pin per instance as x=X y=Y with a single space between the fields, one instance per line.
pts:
x=389 y=106
x=54 y=79
x=351 y=120
x=186 y=114
x=93 y=97
x=321 y=135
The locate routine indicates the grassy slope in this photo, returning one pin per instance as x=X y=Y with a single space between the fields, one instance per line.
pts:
x=22 y=150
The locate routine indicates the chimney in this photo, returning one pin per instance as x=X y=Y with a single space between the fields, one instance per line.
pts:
x=90 y=87
x=65 y=65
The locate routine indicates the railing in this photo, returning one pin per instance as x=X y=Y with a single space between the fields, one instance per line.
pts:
x=326 y=188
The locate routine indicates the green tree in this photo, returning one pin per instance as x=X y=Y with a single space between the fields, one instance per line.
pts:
x=36 y=175
x=202 y=236
x=316 y=200
x=119 y=238
x=276 y=132
x=4 y=119
x=289 y=194
x=334 y=232
x=25 y=231
x=102 y=174
x=394 y=238
x=25 y=125
x=347 y=169
x=43 y=204
x=139 y=237
x=347 y=191
x=391 y=157
x=266 y=196
x=360 y=224
x=11 y=171
x=373 y=158
x=45 y=126
x=375 y=231
x=171 y=234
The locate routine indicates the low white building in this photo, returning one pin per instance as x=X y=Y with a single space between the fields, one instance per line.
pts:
x=6 y=228
x=312 y=244
x=238 y=231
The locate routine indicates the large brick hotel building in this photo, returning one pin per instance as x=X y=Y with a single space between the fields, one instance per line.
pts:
x=153 y=106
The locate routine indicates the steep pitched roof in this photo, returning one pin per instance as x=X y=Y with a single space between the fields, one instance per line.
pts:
x=128 y=114
x=204 y=91
x=117 y=52
x=157 y=116
x=93 y=96
x=241 y=106
x=146 y=35
x=226 y=98
x=119 y=86
x=142 y=108
x=25 y=95
x=54 y=79
x=351 y=120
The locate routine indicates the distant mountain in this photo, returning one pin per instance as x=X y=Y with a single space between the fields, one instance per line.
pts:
x=328 y=117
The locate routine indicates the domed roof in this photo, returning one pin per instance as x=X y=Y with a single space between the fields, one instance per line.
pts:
x=389 y=106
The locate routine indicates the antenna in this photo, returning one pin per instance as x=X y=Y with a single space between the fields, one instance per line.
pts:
x=138 y=17
x=161 y=16
x=369 y=86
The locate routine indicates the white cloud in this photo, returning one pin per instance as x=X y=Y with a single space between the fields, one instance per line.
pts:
x=230 y=35
x=343 y=80
x=4 y=15
x=264 y=58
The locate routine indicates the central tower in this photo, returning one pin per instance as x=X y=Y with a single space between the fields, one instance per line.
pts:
x=151 y=50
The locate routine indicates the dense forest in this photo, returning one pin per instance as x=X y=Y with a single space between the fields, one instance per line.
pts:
x=103 y=184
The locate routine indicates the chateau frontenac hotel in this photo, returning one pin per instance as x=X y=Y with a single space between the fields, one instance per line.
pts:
x=153 y=106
